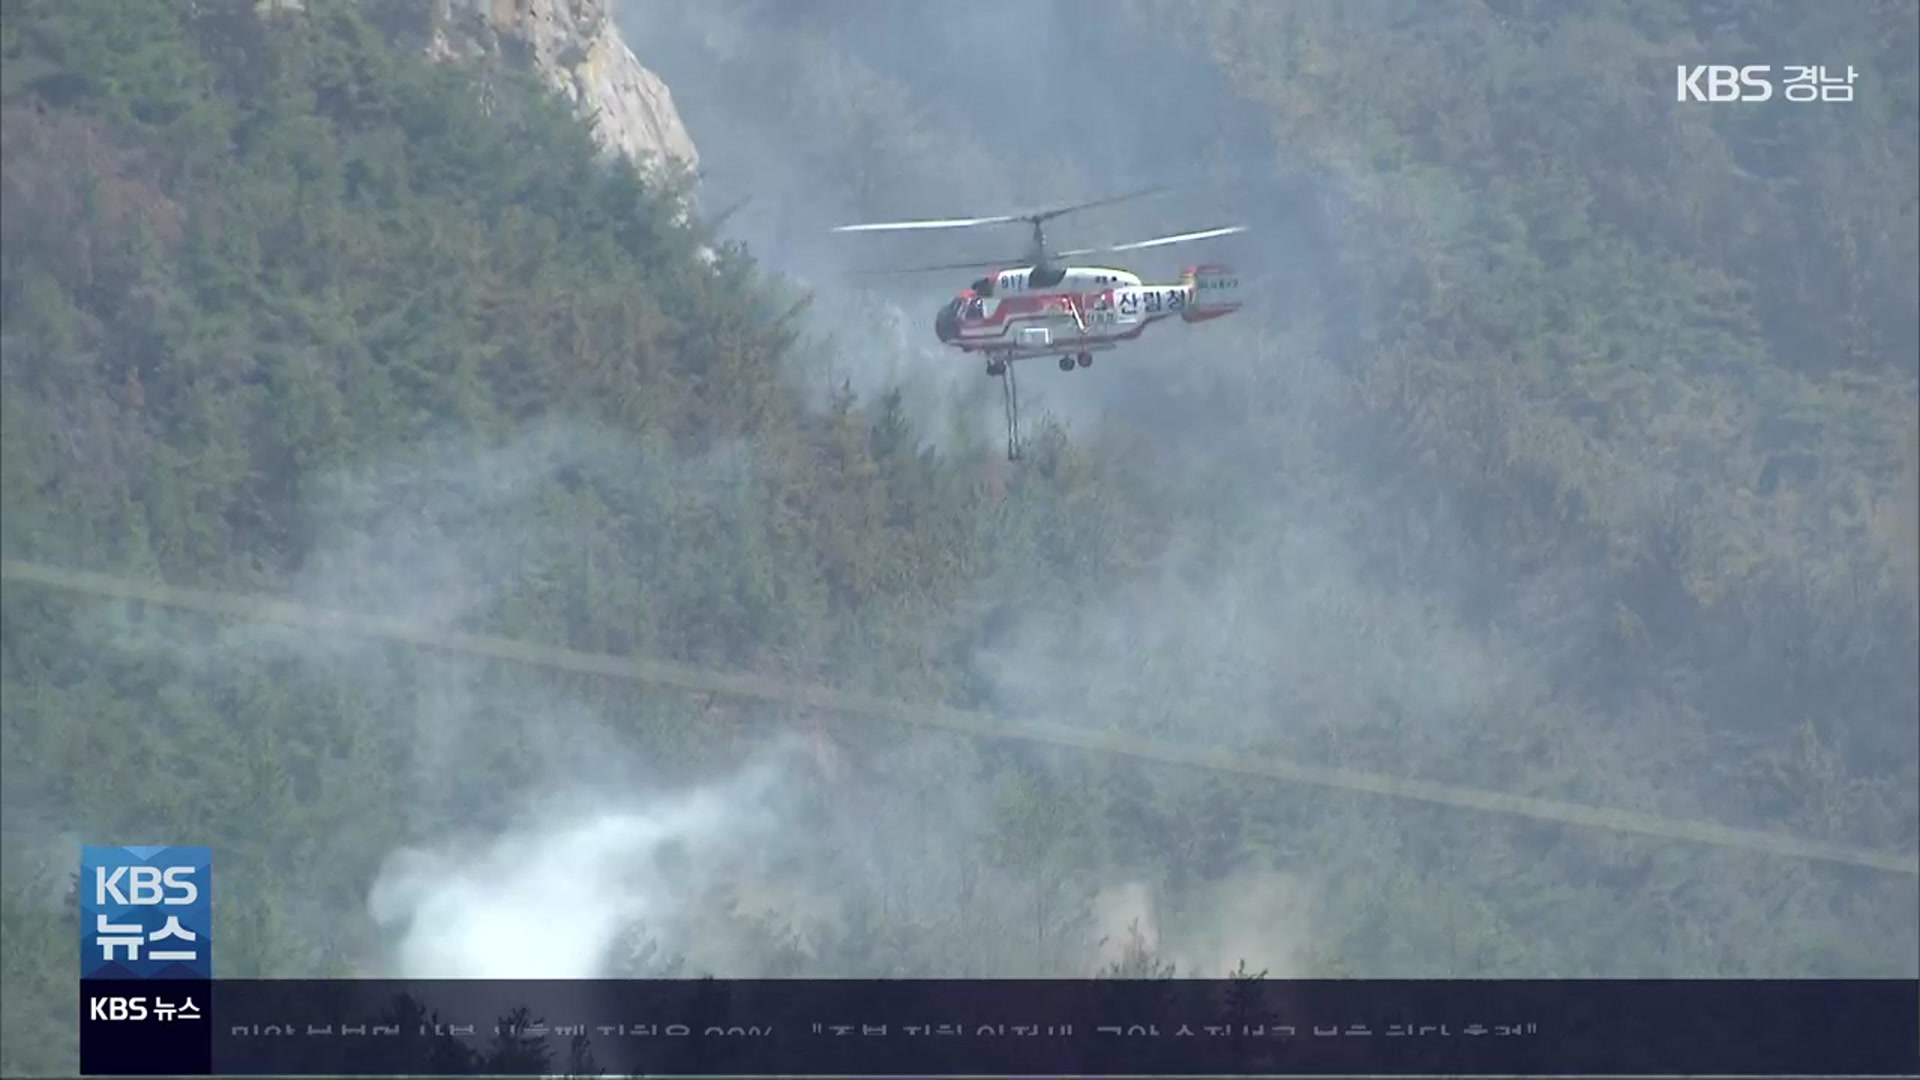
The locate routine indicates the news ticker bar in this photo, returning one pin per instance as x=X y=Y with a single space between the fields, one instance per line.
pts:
x=997 y=1027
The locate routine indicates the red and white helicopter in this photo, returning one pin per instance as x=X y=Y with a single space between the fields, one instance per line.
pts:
x=1042 y=305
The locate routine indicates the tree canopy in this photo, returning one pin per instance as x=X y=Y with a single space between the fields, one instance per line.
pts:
x=1571 y=475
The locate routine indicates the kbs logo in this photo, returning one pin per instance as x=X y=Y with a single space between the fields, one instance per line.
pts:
x=146 y=913
x=145 y=884
x=117 y=1008
x=1724 y=82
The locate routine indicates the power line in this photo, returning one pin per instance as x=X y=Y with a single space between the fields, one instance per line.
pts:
x=966 y=722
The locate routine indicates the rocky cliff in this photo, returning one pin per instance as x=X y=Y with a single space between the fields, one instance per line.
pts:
x=576 y=47
x=572 y=44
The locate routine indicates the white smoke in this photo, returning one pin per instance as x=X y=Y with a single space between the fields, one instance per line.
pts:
x=1257 y=919
x=550 y=899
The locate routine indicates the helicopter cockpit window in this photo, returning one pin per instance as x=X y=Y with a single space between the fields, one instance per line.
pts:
x=976 y=308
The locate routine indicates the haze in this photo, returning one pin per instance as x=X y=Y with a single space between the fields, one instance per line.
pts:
x=1566 y=447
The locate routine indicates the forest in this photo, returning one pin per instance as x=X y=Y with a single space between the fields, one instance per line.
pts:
x=1572 y=454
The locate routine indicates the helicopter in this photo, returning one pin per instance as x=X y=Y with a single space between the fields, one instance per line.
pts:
x=1041 y=304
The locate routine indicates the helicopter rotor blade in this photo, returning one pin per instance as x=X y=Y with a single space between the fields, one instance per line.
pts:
x=1035 y=216
x=1158 y=241
x=932 y=223
x=1137 y=245
x=1054 y=212
x=995 y=265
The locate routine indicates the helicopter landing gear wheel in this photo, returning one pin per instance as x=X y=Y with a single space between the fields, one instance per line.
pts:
x=996 y=368
x=1085 y=359
x=1066 y=363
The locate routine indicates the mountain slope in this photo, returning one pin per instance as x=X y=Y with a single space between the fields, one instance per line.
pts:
x=1478 y=496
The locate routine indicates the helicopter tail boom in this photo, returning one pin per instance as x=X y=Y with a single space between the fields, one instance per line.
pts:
x=1214 y=291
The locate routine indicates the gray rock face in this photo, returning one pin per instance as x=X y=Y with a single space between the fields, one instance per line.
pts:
x=575 y=46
